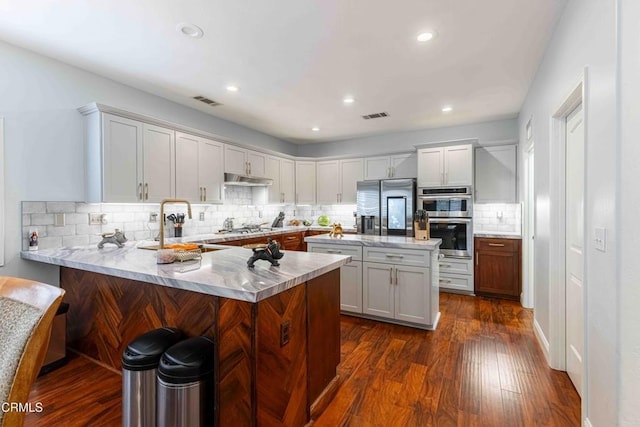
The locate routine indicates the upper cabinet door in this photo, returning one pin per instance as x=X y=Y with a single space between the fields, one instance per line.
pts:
x=235 y=160
x=287 y=180
x=122 y=179
x=305 y=182
x=327 y=182
x=187 y=168
x=377 y=168
x=210 y=167
x=158 y=168
x=273 y=171
x=496 y=178
x=458 y=165
x=257 y=164
x=351 y=171
x=430 y=167
x=404 y=165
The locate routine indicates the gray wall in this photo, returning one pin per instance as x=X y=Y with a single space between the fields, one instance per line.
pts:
x=44 y=149
x=585 y=38
x=486 y=133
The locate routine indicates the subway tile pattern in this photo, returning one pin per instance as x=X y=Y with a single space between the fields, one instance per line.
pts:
x=497 y=218
x=133 y=218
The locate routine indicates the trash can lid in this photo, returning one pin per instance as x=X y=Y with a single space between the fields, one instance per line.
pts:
x=144 y=352
x=187 y=361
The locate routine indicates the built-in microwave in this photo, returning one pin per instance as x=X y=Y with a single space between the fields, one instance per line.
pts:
x=446 y=202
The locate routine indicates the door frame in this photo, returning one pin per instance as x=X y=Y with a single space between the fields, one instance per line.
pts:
x=528 y=287
x=557 y=251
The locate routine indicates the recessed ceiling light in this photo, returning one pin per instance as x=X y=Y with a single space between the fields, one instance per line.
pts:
x=233 y=88
x=447 y=109
x=315 y=129
x=348 y=100
x=189 y=30
x=425 y=37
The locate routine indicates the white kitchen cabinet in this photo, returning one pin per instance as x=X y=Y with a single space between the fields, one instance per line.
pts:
x=445 y=166
x=495 y=174
x=282 y=172
x=396 y=284
x=456 y=274
x=336 y=181
x=199 y=166
x=127 y=160
x=394 y=166
x=350 y=274
x=244 y=162
x=305 y=182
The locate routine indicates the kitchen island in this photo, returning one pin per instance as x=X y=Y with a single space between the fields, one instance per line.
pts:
x=391 y=278
x=277 y=329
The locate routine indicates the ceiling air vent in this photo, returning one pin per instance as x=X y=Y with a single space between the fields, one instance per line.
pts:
x=207 y=101
x=375 y=116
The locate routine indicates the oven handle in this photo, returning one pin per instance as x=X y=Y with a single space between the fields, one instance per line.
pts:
x=449 y=220
x=459 y=196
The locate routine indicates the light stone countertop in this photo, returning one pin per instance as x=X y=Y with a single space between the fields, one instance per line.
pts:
x=400 y=242
x=221 y=273
x=497 y=235
x=226 y=237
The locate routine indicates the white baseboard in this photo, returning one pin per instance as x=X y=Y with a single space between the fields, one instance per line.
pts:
x=587 y=423
x=542 y=340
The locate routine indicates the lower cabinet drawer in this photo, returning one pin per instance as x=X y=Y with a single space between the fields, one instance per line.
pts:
x=355 y=252
x=456 y=282
x=416 y=258
x=455 y=266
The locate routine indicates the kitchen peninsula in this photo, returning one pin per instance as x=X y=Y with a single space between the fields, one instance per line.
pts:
x=277 y=329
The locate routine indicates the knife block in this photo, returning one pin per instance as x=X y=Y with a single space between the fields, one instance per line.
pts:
x=420 y=234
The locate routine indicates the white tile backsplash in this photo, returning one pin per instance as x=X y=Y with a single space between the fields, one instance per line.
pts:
x=133 y=219
x=486 y=217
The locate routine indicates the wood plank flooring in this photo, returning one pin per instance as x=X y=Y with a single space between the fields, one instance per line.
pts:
x=482 y=367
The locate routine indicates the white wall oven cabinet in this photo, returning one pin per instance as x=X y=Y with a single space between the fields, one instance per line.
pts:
x=445 y=166
x=336 y=181
x=394 y=166
x=199 y=169
x=496 y=174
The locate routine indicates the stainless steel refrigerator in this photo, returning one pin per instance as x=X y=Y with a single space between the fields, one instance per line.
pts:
x=386 y=207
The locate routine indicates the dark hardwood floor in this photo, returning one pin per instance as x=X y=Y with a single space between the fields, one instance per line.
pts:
x=482 y=367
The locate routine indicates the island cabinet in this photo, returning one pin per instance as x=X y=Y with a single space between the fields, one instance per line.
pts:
x=350 y=274
x=397 y=284
x=275 y=359
x=498 y=267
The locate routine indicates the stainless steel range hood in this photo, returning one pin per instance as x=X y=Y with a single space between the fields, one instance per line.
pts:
x=247 y=181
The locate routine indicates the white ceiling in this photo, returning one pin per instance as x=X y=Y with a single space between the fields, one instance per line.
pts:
x=295 y=60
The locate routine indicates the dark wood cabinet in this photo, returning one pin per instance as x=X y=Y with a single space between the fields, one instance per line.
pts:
x=498 y=267
x=291 y=241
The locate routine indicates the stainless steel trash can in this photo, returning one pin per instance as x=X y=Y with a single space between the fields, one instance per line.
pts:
x=139 y=367
x=185 y=384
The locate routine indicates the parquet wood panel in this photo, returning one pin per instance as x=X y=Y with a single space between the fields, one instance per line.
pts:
x=281 y=371
x=441 y=376
x=106 y=313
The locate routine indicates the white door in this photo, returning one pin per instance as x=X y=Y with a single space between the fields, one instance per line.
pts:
x=122 y=163
x=377 y=168
x=210 y=166
x=305 y=182
x=377 y=289
x=287 y=180
x=235 y=160
x=412 y=292
x=458 y=165
x=158 y=151
x=187 y=179
x=430 y=167
x=273 y=171
x=327 y=187
x=574 y=246
x=351 y=287
x=257 y=163
x=351 y=171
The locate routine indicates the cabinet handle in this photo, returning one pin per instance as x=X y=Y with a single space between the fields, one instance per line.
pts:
x=205 y=194
x=249 y=167
x=445 y=281
x=140 y=191
x=396 y=269
x=290 y=238
x=391 y=275
x=394 y=256
x=499 y=245
x=146 y=191
x=477 y=257
x=333 y=251
x=445 y=265
x=393 y=171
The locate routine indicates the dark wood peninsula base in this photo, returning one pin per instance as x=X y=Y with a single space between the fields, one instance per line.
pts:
x=258 y=380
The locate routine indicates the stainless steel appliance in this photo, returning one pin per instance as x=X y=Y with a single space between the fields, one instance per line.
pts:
x=450 y=212
x=386 y=207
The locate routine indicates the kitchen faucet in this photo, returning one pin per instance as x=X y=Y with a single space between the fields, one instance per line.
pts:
x=164 y=202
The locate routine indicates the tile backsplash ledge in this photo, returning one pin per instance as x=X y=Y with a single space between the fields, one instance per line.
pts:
x=497 y=218
x=133 y=218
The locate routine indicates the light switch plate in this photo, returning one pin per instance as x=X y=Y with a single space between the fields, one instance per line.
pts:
x=201 y=216
x=58 y=219
x=95 y=219
x=601 y=239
